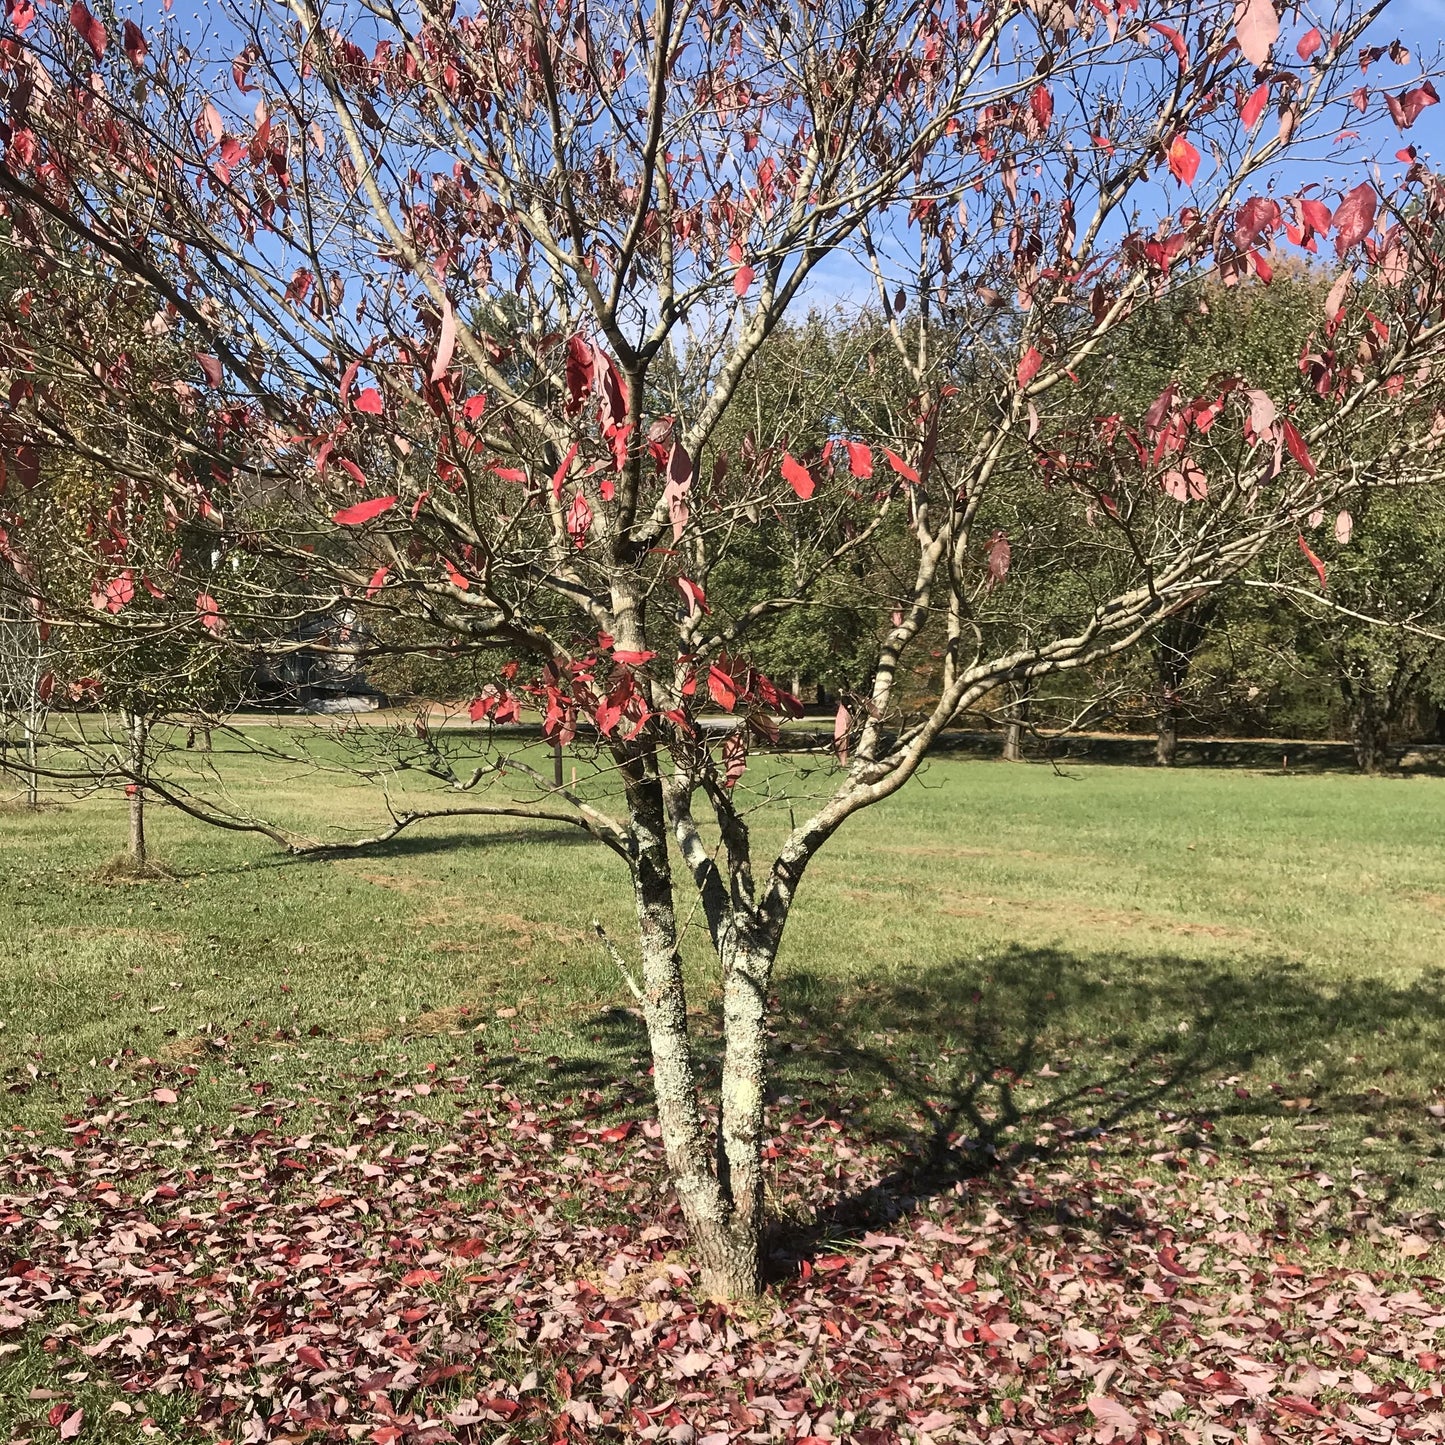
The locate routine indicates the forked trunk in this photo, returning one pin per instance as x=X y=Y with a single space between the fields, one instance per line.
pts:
x=718 y=1177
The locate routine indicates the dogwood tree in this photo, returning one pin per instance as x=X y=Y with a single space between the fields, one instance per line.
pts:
x=467 y=291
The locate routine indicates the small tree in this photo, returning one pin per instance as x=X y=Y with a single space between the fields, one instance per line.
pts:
x=470 y=295
x=26 y=682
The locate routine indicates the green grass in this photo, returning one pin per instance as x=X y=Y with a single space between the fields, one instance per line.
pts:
x=996 y=950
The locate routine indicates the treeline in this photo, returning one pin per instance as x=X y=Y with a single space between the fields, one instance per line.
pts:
x=1341 y=637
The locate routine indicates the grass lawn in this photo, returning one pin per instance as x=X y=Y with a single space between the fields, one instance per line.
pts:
x=994 y=971
x=1265 y=949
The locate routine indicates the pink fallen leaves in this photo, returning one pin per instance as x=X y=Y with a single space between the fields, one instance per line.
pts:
x=353 y=1264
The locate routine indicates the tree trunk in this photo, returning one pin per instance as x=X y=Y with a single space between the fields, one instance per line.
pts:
x=137 y=730
x=1013 y=751
x=1013 y=733
x=32 y=728
x=1166 y=737
x=1370 y=745
x=718 y=1178
x=1178 y=641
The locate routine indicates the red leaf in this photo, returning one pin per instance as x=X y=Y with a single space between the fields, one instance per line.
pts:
x=579 y=368
x=632 y=658
x=1253 y=108
x=210 y=611
x=742 y=279
x=474 y=406
x=1297 y=448
x=1406 y=107
x=617 y=1133
x=212 y=369
x=696 y=597
x=458 y=580
x=311 y=1357
x=1310 y=41
x=115 y=594
x=1000 y=556
x=722 y=688
x=91 y=31
x=1041 y=104
x=900 y=466
x=363 y=512
x=579 y=520
x=134 y=44
x=560 y=475
x=1256 y=27
x=1183 y=160
x=860 y=459
x=797 y=476
x=1312 y=560
x=378 y=581
x=446 y=341
x=1029 y=364
x=1176 y=40
x=1354 y=216
x=369 y=401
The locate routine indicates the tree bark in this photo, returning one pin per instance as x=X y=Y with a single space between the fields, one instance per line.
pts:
x=1166 y=737
x=1370 y=745
x=32 y=728
x=664 y=1007
x=1179 y=639
x=1013 y=733
x=136 y=735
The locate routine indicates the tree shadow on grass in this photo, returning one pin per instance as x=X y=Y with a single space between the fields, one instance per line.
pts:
x=1029 y=1060
x=421 y=845
x=1033 y=1055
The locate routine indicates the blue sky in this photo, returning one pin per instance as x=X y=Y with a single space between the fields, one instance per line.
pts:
x=1420 y=24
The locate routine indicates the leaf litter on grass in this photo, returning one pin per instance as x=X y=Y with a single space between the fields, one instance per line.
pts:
x=518 y=1272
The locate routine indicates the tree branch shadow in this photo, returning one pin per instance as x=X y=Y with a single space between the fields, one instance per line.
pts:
x=982 y=1069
